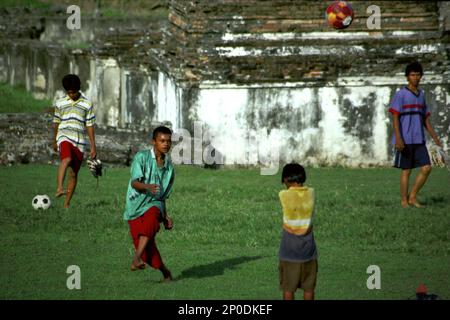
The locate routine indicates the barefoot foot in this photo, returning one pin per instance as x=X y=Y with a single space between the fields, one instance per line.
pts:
x=416 y=204
x=137 y=265
x=405 y=204
x=60 y=192
x=412 y=201
x=166 y=274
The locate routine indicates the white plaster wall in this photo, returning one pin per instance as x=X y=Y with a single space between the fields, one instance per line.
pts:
x=223 y=110
x=168 y=100
x=103 y=89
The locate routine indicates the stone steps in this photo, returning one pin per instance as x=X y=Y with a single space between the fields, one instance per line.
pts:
x=286 y=9
x=423 y=22
x=259 y=41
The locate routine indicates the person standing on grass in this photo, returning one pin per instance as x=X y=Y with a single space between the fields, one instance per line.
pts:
x=410 y=117
x=298 y=253
x=74 y=115
x=152 y=177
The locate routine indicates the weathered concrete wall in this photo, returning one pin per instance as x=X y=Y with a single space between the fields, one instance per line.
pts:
x=28 y=138
x=330 y=125
x=258 y=74
x=272 y=73
x=248 y=42
x=124 y=97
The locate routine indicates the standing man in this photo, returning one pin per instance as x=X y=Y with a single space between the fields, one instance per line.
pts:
x=410 y=117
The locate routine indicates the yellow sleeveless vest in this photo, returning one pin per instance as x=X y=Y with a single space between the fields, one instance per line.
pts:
x=298 y=209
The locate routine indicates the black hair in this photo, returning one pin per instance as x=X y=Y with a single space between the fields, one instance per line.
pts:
x=161 y=129
x=294 y=173
x=414 y=67
x=71 y=82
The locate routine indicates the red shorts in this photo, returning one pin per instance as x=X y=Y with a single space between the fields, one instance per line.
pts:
x=68 y=150
x=147 y=225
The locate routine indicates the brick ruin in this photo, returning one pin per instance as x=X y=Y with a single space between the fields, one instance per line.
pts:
x=255 y=41
x=254 y=72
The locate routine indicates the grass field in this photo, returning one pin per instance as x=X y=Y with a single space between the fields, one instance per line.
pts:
x=23 y=3
x=16 y=99
x=226 y=235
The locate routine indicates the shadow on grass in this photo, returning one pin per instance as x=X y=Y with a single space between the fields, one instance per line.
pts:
x=436 y=200
x=214 y=269
x=95 y=204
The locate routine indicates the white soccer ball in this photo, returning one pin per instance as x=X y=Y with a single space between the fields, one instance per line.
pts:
x=41 y=202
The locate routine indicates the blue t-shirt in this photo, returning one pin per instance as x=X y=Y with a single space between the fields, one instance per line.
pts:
x=412 y=111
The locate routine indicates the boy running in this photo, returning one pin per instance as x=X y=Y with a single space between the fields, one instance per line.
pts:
x=152 y=177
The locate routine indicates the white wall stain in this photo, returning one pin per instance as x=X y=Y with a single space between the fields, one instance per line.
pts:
x=284 y=51
x=286 y=36
x=419 y=49
x=245 y=122
x=233 y=135
x=167 y=99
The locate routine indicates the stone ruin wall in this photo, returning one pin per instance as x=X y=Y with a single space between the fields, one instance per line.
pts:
x=254 y=72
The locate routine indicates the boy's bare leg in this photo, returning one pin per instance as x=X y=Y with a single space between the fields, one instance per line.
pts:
x=60 y=177
x=166 y=273
x=421 y=178
x=308 y=295
x=137 y=261
x=287 y=295
x=404 y=182
x=71 y=185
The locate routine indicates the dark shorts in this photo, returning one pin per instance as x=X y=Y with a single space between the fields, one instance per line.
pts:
x=147 y=225
x=295 y=275
x=412 y=156
x=68 y=150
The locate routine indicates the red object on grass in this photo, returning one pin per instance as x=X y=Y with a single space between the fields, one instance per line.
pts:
x=421 y=289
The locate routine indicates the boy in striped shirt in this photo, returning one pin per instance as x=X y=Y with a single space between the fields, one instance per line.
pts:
x=410 y=117
x=74 y=115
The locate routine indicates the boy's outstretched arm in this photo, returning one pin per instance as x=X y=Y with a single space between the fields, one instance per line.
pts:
x=90 y=131
x=432 y=133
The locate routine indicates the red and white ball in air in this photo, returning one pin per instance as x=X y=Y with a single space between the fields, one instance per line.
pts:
x=340 y=14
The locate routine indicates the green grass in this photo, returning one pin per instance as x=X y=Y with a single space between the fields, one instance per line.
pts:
x=108 y=9
x=226 y=236
x=23 y=3
x=117 y=13
x=76 y=45
x=17 y=99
